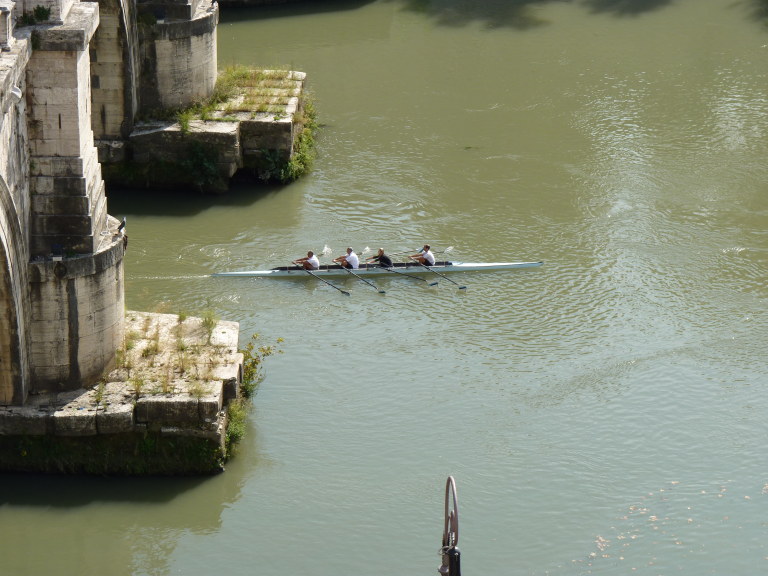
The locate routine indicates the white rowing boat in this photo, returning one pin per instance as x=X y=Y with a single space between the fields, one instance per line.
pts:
x=335 y=271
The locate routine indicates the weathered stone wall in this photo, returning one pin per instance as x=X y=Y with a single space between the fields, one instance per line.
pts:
x=62 y=317
x=114 y=70
x=69 y=209
x=75 y=277
x=77 y=317
x=179 y=55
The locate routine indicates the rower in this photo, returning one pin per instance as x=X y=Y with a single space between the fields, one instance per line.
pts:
x=310 y=262
x=425 y=257
x=382 y=259
x=349 y=261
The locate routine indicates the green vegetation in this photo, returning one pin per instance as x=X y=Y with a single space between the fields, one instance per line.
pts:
x=197 y=389
x=146 y=454
x=99 y=396
x=200 y=164
x=239 y=91
x=253 y=357
x=138 y=383
x=304 y=148
x=210 y=320
x=38 y=15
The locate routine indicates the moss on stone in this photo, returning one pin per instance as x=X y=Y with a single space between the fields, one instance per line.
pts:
x=116 y=454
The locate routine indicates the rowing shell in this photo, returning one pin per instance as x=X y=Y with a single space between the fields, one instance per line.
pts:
x=334 y=270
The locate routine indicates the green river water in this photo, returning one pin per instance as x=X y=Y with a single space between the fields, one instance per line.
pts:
x=603 y=414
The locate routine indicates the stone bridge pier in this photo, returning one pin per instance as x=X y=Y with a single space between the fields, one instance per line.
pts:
x=61 y=255
x=72 y=84
x=71 y=87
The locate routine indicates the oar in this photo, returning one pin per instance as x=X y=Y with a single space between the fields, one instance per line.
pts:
x=362 y=279
x=411 y=276
x=326 y=281
x=438 y=273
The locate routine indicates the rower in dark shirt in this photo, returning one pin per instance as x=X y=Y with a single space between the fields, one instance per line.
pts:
x=382 y=259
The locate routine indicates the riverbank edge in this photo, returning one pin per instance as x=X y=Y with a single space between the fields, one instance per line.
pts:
x=162 y=410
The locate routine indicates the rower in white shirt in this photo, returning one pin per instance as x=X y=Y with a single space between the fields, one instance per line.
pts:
x=424 y=257
x=310 y=262
x=350 y=260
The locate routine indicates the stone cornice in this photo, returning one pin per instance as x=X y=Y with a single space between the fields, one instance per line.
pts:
x=73 y=35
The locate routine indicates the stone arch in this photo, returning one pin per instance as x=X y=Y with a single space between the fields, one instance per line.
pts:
x=14 y=304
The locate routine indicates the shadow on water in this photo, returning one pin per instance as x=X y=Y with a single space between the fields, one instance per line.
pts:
x=245 y=11
x=517 y=14
x=40 y=490
x=495 y=13
x=175 y=203
x=760 y=10
x=625 y=7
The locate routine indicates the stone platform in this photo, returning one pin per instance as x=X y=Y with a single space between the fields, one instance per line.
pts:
x=254 y=132
x=169 y=390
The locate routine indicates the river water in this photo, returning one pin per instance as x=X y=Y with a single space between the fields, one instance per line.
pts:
x=603 y=414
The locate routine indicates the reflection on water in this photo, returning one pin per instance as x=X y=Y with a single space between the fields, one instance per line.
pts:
x=88 y=525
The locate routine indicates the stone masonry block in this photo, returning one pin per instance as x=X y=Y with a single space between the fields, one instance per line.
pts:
x=260 y=135
x=40 y=244
x=162 y=410
x=210 y=404
x=60 y=204
x=115 y=419
x=51 y=332
x=39 y=146
x=41 y=185
x=72 y=227
x=23 y=420
x=67 y=166
x=77 y=422
x=70 y=185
